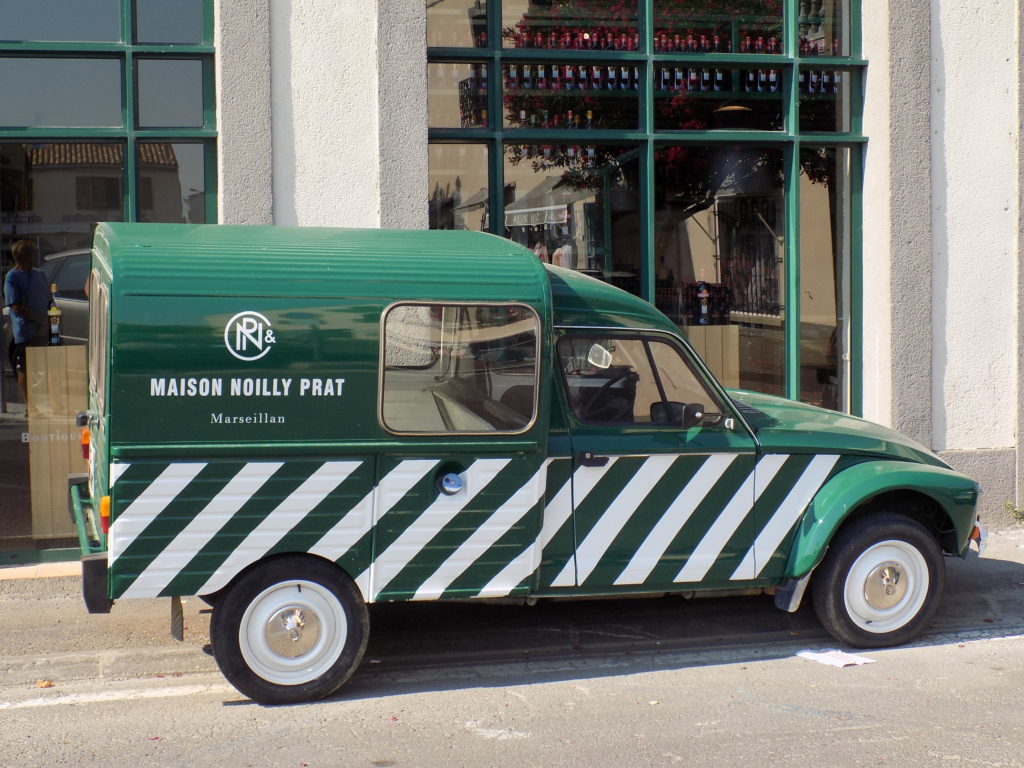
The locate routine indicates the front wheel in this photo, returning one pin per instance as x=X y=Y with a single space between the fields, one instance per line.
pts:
x=291 y=630
x=880 y=582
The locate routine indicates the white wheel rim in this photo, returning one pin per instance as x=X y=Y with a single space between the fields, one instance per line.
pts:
x=886 y=586
x=293 y=632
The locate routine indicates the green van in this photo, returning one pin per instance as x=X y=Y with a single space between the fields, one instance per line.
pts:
x=293 y=422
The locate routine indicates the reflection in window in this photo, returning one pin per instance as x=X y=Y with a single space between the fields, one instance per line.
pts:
x=58 y=92
x=600 y=25
x=96 y=193
x=170 y=93
x=457 y=23
x=458 y=186
x=576 y=206
x=824 y=261
x=457 y=95
x=172 y=182
x=695 y=26
x=579 y=96
x=56 y=190
x=824 y=99
x=719 y=239
x=160 y=21
x=459 y=368
x=61 y=20
x=633 y=381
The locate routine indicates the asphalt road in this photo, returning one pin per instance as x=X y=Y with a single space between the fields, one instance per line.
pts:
x=663 y=681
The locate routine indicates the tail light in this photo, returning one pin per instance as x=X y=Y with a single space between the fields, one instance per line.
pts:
x=105 y=514
x=85 y=443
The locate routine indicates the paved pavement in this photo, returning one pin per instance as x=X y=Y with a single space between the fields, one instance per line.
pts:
x=658 y=682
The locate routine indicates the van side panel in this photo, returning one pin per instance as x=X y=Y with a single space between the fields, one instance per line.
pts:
x=189 y=527
x=430 y=545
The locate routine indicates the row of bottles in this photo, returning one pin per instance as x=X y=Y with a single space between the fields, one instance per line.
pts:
x=568 y=77
x=546 y=119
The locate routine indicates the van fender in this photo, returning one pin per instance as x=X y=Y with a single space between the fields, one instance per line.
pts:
x=850 y=489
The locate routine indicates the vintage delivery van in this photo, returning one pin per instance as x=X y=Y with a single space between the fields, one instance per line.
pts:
x=292 y=423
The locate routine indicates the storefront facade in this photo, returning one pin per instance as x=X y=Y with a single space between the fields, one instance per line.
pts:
x=805 y=186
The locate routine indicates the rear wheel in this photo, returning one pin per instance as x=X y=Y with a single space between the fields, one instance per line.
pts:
x=291 y=630
x=880 y=582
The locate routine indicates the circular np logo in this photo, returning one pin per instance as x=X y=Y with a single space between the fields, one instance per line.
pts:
x=248 y=336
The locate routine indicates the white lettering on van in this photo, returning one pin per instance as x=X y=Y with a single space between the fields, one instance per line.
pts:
x=260 y=387
x=321 y=387
x=252 y=418
x=186 y=387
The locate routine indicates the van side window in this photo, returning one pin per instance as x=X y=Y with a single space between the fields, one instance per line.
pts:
x=643 y=381
x=451 y=368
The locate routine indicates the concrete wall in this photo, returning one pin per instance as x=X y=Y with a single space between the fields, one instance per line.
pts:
x=941 y=233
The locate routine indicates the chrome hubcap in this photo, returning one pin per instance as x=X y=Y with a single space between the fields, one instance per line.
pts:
x=885 y=586
x=292 y=632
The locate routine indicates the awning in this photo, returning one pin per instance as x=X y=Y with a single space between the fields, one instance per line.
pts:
x=547 y=203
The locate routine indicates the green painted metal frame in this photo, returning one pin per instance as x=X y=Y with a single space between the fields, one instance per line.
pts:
x=790 y=140
x=128 y=53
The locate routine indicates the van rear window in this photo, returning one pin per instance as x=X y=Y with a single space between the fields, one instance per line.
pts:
x=459 y=368
x=98 y=341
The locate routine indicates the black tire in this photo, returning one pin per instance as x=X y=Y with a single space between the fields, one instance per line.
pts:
x=293 y=629
x=880 y=581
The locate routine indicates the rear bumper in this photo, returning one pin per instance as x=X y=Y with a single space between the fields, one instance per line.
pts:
x=94 y=583
x=95 y=588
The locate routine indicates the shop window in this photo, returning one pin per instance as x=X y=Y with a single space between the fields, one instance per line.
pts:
x=459 y=368
x=108 y=115
x=661 y=154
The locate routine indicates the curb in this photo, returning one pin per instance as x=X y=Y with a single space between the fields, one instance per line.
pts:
x=40 y=571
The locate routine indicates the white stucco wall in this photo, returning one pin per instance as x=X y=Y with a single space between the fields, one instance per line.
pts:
x=325 y=107
x=974 y=198
x=877 y=325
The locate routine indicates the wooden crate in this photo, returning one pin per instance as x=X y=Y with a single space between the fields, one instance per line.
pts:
x=56 y=392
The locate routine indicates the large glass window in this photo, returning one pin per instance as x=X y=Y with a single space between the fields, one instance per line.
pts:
x=459 y=368
x=107 y=116
x=705 y=157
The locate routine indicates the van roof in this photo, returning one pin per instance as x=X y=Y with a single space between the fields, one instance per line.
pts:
x=434 y=265
x=205 y=259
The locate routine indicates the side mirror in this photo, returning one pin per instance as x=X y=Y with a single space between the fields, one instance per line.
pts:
x=670 y=414
x=693 y=415
x=599 y=357
x=674 y=414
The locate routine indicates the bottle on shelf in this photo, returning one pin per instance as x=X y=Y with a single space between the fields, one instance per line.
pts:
x=54 y=315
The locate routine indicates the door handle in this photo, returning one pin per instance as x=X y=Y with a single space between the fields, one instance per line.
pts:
x=588 y=459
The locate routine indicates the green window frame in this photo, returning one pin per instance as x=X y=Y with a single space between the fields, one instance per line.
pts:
x=129 y=135
x=789 y=62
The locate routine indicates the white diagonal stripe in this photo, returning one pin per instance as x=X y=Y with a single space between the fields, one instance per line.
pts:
x=785 y=516
x=355 y=523
x=610 y=524
x=583 y=481
x=556 y=513
x=435 y=517
x=725 y=525
x=150 y=503
x=203 y=527
x=661 y=536
x=282 y=519
x=484 y=537
x=116 y=470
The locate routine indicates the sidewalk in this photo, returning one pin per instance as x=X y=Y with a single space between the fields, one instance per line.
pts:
x=40 y=571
